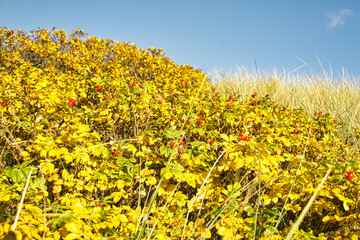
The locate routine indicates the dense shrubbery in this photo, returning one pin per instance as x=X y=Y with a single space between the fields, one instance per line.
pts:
x=131 y=145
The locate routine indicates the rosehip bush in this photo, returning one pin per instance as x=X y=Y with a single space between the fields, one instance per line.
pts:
x=150 y=187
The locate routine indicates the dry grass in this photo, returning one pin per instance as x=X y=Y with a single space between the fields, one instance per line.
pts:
x=326 y=93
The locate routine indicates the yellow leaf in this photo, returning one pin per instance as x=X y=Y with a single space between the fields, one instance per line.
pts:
x=67 y=158
x=161 y=191
x=266 y=200
x=327 y=219
x=132 y=148
x=140 y=154
x=123 y=218
x=168 y=175
x=293 y=196
x=52 y=153
x=208 y=234
x=120 y=184
x=225 y=232
x=294 y=208
x=57 y=236
x=25 y=154
x=149 y=140
x=56 y=100
x=225 y=137
x=82 y=157
x=72 y=236
x=48 y=168
x=117 y=197
x=145 y=149
x=71 y=227
x=150 y=181
x=233 y=138
x=115 y=222
x=43 y=153
x=63 y=151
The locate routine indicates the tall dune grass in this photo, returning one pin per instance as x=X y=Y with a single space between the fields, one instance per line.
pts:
x=326 y=93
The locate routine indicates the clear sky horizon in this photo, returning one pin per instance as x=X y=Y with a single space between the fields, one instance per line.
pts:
x=212 y=35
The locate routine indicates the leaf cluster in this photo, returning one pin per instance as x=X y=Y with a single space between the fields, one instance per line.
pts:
x=129 y=144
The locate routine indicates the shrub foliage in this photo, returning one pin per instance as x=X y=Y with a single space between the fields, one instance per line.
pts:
x=123 y=143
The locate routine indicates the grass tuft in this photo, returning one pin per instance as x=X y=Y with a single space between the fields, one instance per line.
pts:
x=325 y=93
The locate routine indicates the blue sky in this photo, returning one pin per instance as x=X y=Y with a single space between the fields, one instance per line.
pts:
x=212 y=35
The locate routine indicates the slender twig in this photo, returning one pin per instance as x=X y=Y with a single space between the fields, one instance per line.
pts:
x=44 y=189
x=307 y=207
x=197 y=194
x=258 y=202
x=22 y=200
x=293 y=183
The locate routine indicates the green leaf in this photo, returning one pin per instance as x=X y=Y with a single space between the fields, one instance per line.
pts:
x=171 y=133
x=177 y=170
x=250 y=211
x=18 y=173
x=165 y=151
x=199 y=131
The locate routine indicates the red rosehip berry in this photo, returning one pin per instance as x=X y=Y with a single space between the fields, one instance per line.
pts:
x=231 y=98
x=212 y=141
x=320 y=114
x=342 y=159
x=296 y=131
x=175 y=224
x=350 y=175
x=254 y=95
x=229 y=105
x=247 y=138
x=105 y=120
x=140 y=85
x=186 y=84
x=71 y=102
x=199 y=121
x=242 y=137
x=172 y=144
x=99 y=88
x=160 y=101
x=4 y=104
x=180 y=150
x=181 y=142
x=106 y=97
x=115 y=153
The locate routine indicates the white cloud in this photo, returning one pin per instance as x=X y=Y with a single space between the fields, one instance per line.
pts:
x=338 y=19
